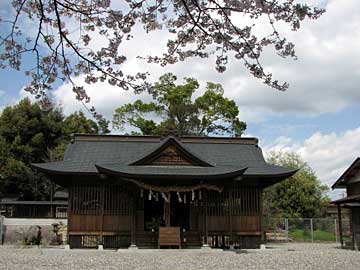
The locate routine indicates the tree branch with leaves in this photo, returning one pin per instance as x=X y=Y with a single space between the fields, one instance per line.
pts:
x=65 y=30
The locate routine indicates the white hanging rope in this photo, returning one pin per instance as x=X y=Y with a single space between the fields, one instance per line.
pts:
x=166 y=199
x=150 y=194
x=168 y=189
x=179 y=197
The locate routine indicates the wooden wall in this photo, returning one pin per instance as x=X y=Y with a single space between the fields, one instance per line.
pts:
x=99 y=209
x=105 y=214
x=235 y=210
x=353 y=189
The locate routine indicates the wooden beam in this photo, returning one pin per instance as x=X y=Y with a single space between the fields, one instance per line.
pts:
x=52 y=214
x=102 y=202
x=99 y=233
x=263 y=234
x=231 y=205
x=167 y=210
x=205 y=198
x=133 y=221
x=340 y=225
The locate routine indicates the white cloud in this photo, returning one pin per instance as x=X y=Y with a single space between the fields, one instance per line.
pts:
x=329 y=155
x=324 y=79
x=105 y=97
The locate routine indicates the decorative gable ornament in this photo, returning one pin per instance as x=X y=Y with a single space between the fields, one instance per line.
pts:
x=171 y=152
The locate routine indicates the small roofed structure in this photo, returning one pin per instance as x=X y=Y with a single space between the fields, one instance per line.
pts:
x=13 y=207
x=33 y=209
x=148 y=191
x=350 y=180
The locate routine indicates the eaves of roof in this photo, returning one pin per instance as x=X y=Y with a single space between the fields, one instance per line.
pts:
x=341 y=181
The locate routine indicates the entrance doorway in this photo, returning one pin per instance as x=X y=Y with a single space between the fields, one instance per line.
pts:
x=154 y=213
x=179 y=214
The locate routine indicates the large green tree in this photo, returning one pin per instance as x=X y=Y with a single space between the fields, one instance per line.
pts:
x=301 y=195
x=28 y=135
x=177 y=110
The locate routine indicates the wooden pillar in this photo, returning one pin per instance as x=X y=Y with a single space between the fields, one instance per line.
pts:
x=231 y=205
x=167 y=213
x=52 y=214
x=205 y=201
x=133 y=222
x=340 y=225
x=102 y=203
x=69 y=211
x=263 y=233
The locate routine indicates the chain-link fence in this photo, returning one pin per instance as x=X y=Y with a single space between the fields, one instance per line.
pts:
x=1 y=230
x=306 y=229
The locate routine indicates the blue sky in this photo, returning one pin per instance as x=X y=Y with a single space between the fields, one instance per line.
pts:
x=318 y=117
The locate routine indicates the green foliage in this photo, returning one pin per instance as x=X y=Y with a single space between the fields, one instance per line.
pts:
x=103 y=126
x=302 y=195
x=305 y=235
x=31 y=135
x=79 y=123
x=173 y=104
x=28 y=130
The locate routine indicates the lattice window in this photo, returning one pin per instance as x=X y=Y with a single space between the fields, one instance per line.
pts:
x=99 y=200
x=240 y=201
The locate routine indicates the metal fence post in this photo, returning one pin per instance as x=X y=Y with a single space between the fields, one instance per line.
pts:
x=1 y=229
x=287 y=229
x=312 y=230
x=336 y=237
x=275 y=238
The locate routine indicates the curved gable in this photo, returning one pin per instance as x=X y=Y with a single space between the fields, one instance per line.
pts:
x=171 y=152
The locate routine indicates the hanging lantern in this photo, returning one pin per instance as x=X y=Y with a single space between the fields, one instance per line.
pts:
x=192 y=195
x=157 y=197
x=184 y=197
x=150 y=193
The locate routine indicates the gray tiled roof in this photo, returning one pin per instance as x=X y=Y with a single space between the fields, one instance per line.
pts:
x=83 y=154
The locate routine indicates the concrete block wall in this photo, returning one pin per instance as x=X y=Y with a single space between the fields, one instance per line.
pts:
x=15 y=229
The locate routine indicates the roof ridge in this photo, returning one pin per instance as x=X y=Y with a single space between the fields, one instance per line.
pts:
x=150 y=138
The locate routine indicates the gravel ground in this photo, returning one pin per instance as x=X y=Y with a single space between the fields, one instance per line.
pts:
x=286 y=256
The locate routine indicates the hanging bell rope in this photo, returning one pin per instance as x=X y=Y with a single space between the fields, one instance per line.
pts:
x=167 y=189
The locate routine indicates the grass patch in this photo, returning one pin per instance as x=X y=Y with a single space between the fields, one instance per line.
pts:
x=305 y=235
